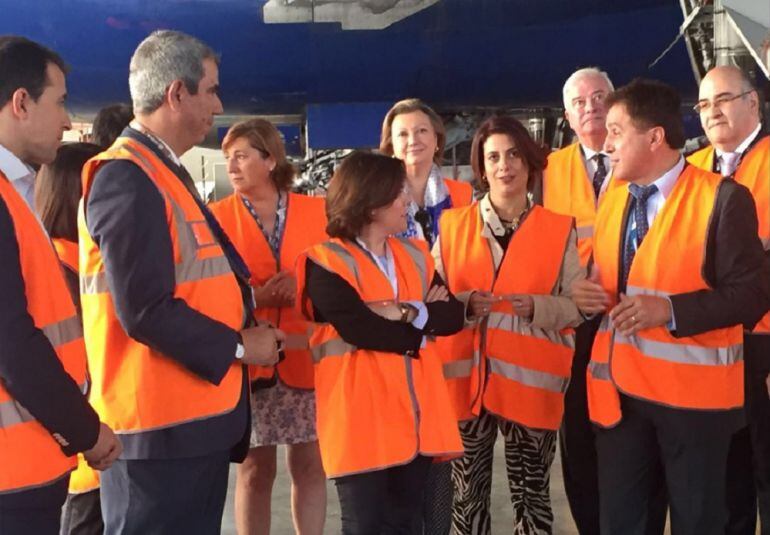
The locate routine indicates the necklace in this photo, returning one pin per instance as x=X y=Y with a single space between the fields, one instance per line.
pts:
x=514 y=223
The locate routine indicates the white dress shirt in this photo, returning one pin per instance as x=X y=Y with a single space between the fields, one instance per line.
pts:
x=21 y=175
x=591 y=165
x=739 y=150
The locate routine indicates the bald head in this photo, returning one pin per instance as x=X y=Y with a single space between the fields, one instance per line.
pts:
x=729 y=107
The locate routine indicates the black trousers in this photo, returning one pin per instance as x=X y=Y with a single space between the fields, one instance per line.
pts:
x=576 y=439
x=383 y=502
x=35 y=511
x=687 y=448
x=748 y=472
x=165 y=496
x=82 y=514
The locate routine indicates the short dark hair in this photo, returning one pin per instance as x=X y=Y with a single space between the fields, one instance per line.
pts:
x=533 y=154
x=265 y=137
x=651 y=103
x=58 y=189
x=109 y=123
x=363 y=182
x=24 y=64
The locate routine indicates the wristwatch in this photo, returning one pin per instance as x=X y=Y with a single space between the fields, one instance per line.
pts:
x=405 y=308
x=240 y=351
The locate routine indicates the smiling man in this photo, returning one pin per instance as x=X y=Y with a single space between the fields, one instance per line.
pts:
x=166 y=304
x=665 y=380
x=729 y=111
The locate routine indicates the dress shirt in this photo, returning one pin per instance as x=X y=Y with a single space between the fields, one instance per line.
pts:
x=21 y=175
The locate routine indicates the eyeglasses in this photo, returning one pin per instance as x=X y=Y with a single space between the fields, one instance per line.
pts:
x=704 y=105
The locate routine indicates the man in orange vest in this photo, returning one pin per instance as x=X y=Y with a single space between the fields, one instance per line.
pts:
x=680 y=271
x=573 y=182
x=44 y=417
x=166 y=304
x=729 y=112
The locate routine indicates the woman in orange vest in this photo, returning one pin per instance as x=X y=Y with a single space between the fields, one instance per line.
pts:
x=57 y=193
x=414 y=133
x=383 y=406
x=270 y=227
x=513 y=262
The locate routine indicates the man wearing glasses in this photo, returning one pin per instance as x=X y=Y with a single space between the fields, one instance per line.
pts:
x=729 y=111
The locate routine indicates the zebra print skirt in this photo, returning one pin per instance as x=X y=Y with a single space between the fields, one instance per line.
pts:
x=529 y=454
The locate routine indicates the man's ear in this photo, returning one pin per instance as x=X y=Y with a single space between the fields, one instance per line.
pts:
x=657 y=137
x=175 y=93
x=20 y=100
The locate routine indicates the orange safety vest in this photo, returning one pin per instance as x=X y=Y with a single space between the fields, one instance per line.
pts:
x=461 y=193
x=305 y=226
x=754 y=173
x=134 y=387
x=514 y=370
x=30 y=455
x=704 y=371
x=376 y=409
x=84 y=478
x=567 y=190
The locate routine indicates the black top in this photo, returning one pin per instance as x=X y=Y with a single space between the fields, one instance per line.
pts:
x=126 y=218
x=336 y=302
x=29 y=367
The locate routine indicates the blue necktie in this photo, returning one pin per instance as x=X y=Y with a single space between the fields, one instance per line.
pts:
x=639 y=212
x=599 y=175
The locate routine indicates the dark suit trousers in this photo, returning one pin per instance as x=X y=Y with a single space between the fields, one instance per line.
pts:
x=165 y=496
x=748 y=474
x=576 y=438
x=688 y=448
x=35 y=511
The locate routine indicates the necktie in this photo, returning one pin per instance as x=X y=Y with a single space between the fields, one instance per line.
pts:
x=600 y=174
x=727 y=163
x=639 y=212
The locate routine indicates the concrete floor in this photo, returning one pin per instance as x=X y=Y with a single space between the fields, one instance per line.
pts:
x=502 y=516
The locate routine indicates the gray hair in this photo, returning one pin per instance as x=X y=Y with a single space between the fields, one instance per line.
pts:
x=586 y=72
x=161 y=59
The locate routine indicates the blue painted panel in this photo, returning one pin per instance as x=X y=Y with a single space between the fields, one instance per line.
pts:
x=353 y=126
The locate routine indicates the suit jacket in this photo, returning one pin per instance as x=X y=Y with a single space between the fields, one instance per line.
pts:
x=734 y=267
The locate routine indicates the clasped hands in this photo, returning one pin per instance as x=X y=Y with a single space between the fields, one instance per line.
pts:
x=481 y=303
x=630 y=315
x=278 y=291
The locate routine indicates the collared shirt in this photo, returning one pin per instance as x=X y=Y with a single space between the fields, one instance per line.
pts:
x=21 y=175
x=590 y=164
x=740 y=149
x=162 y=145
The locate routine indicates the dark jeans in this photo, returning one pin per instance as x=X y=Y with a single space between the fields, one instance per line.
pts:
x=436 y=518
x=165 y=496
x=383 y=502
x=688 y=448
x=748 y=472
x=576 y=439
x=35 y=511
x=82 y=514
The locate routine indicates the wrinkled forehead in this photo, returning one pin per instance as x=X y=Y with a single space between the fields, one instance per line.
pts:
x=719 y=84
x=587 y=85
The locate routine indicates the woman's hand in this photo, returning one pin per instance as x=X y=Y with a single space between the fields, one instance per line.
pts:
x=279 y=291
x=437 y=293
x=523 y=305
x=481 y=303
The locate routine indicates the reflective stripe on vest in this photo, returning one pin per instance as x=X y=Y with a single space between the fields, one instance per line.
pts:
x=399 y=402
x=135 y=388
x=752 y=172
x=49 y=304
x=696 y=372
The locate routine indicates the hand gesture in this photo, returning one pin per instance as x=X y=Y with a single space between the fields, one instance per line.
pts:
x=588 y=294
x=639 y=312
x=279 y=291
x=523 y=305
x=261 y=345
x=481 y=303
x=105 y=451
